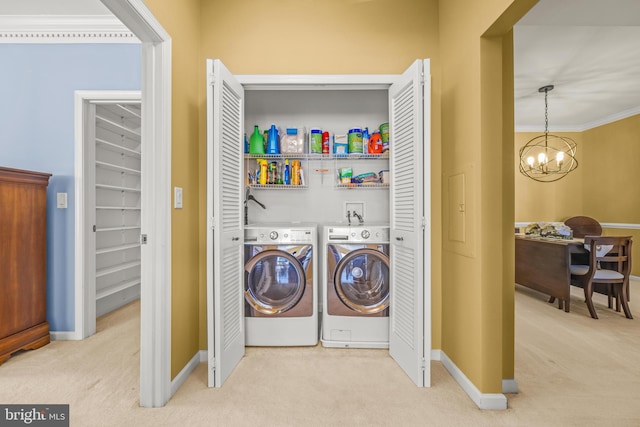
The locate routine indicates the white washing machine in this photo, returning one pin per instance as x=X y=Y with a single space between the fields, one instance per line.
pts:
x=355 y=294
x=280 y=285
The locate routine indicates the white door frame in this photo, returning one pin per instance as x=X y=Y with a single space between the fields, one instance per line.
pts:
x=155 y=301
x=85 y=290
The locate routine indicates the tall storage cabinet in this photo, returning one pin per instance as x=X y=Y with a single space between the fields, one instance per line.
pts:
x=23 y=273
x=234 y=105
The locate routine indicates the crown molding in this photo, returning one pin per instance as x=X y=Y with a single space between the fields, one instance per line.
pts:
x=64 y=29
x=584 y=126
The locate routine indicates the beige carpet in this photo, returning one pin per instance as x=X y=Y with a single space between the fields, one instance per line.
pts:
x=571 y=370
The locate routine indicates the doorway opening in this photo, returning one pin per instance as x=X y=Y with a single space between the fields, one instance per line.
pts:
x=108 y=221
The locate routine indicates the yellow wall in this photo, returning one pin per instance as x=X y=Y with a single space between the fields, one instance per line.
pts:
x=468 y=140
x=611 y=193
x=610 y=171
x=325 y=37
x=475 y=294
x=180 y=20
x=603 y=186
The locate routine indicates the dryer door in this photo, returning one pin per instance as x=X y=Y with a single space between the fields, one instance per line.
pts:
x=275 y=281
x=361 y=280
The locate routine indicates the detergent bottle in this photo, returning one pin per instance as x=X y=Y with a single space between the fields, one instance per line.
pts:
x=256 y=142
x=273 y=141
x=375 y=143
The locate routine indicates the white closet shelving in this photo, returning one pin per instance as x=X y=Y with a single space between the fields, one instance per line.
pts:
x=310 y=163
x=117 y=197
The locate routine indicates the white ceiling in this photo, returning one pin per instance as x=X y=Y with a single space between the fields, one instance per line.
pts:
x=588 y=49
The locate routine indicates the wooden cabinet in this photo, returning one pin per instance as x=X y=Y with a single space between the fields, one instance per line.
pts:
x=23 y=258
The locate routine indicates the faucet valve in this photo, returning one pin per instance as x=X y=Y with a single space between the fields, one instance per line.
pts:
x=360 y=219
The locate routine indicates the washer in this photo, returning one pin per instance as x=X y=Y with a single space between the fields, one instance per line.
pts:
x=355 y=294
x=280 y=287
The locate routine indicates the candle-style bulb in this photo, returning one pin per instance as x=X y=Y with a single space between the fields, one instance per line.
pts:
x=542 y=158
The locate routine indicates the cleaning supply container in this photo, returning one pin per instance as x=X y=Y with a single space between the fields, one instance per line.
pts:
x=315 y=141
x=384 y=133
x=354 y=138
x=256 y=142
x=262 y=179
x=295 y=172
x=375 y=143
x=273 y=141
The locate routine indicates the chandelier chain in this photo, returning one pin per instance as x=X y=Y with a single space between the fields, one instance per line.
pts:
x=546 y=113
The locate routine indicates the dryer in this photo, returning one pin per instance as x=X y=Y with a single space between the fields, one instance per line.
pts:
x=355 y=295
x=280 y=287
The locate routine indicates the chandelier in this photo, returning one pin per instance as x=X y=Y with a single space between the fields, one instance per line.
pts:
x=548 y=158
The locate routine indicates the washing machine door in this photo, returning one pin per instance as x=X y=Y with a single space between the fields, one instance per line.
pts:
x=361 y=280
x=275 y=281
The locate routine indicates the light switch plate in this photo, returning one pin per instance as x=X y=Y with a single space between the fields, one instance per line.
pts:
x=61 y=200
x=177 y=197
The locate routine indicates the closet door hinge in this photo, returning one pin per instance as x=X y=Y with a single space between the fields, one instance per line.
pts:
x=212 y=364
x=423 y=364
x=423 y=223
x=143 y=239
x=211 y=224
x=211 y=79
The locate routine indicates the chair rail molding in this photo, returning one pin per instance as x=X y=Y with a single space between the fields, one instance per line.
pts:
x=64 y=29
x=603 y=224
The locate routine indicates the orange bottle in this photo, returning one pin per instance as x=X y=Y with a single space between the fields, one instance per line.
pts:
x=375 y=143
x=295 y=172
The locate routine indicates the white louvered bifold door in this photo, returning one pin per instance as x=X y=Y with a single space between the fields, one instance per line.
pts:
x=225 y=239
x=407 y=326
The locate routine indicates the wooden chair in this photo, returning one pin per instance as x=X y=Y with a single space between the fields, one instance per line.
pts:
x=584 y=226
x=611 y=269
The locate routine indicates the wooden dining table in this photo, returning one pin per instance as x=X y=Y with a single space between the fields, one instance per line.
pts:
x=543 y=264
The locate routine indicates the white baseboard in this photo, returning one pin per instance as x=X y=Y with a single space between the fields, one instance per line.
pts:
x=64 y=336
x=509 y=385
x=203 y=355
x=495 y=401
x=185 y=372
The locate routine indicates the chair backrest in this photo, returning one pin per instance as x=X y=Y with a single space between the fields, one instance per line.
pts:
x=618 y=258
x=584 y=226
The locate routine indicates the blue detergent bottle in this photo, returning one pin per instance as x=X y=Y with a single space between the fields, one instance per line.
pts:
x=273 y=142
